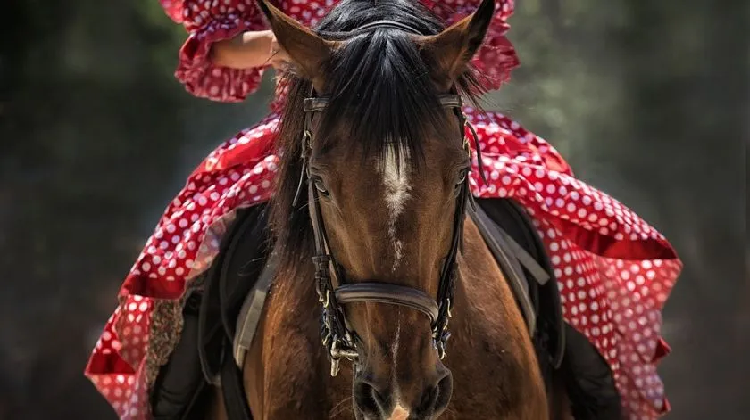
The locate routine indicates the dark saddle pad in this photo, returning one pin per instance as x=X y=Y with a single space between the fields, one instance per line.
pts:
x=516 y=245
x=242 y=257
x=245 y=251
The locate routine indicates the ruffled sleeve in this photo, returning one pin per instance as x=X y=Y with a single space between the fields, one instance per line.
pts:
x=209 y=21
x=496 y=57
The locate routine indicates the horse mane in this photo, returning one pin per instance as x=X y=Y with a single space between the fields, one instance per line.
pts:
x=396 y=104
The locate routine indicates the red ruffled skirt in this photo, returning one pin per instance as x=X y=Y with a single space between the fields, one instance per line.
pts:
x=614 y=270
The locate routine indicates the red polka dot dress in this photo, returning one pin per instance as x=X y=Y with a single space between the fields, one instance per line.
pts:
x=614 y=270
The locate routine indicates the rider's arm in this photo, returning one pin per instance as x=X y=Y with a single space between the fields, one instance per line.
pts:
x=208 y=23
x=247 y=50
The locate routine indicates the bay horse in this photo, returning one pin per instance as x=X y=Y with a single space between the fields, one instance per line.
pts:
x=375 y=251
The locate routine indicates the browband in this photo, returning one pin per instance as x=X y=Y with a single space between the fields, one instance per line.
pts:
x=364 y=29
x=319 y=103
x=378 y=24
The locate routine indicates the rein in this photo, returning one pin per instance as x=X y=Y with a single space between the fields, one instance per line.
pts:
x=336 y=335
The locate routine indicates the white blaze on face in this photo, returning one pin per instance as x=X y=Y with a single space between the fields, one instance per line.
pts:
x=394 y=346
x=397 y=190
x=399 y=413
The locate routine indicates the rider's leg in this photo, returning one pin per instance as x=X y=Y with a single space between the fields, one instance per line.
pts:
x=179 y=385
x=588 y=377
x=588 y=380
x=180 y=390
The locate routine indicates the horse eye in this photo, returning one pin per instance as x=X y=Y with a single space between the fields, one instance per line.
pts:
x=318 y=183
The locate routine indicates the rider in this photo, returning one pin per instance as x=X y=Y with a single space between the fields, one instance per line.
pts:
x=614 y=270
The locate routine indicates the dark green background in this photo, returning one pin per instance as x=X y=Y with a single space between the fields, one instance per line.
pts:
x=647 y=99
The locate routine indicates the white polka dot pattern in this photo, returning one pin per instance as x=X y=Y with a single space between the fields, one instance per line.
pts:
x=614 y=270
x=209 y=21
x=118 y=361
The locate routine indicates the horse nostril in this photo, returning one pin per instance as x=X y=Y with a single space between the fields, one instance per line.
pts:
x=369 y=399
x=436 y=398
x=429 y=397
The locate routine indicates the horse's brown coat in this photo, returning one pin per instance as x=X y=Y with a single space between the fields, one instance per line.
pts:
x=494 y=367
x=493 y=364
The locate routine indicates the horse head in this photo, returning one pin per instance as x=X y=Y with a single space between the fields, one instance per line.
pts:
x=376 y=177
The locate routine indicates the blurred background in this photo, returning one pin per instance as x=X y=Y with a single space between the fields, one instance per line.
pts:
x=647 y=99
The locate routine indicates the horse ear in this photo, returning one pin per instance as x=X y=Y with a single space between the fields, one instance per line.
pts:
x=308 y=51
x=452 y=49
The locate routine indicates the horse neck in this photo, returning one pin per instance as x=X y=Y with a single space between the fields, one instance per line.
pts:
x=294 y=312
x=486 y=314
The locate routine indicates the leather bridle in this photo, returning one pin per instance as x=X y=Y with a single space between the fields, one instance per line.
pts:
x=336 y=334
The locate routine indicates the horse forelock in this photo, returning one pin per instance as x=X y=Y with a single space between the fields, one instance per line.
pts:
x=380 y=94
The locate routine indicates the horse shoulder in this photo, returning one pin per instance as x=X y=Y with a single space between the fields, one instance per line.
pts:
x=489 y=326
x=285 y=365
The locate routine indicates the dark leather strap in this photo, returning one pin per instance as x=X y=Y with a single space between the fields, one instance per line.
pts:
x=334 y=330
x=497 y=242
x=451 y=101
x=392 y=294
x=367 y=28
x=316 y=104
x=383 y=24
x=252 y=310
x=233 y=387
x=511 y=224
x=523 y=257
x=319 y=103
x=549 y=292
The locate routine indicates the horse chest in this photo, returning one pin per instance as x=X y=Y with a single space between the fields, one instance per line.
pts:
x=287 y=370
x=289 y=376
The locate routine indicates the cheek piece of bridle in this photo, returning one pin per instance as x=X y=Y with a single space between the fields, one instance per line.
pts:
x=336 y=334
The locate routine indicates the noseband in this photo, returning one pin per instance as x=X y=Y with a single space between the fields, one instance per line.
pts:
x=336 y=335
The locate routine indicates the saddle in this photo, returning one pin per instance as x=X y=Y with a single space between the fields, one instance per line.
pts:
x=232 y=303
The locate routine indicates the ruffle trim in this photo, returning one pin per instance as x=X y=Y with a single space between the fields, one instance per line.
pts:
x=203 y=78
x=495 y=61
x=175 y=9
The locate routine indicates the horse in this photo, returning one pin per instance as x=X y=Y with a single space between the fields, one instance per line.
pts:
x=376 y=257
